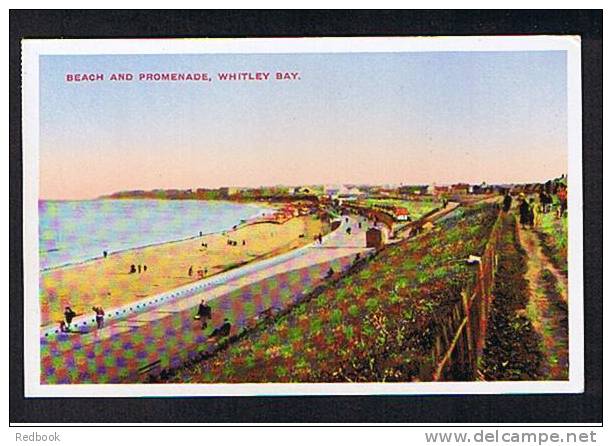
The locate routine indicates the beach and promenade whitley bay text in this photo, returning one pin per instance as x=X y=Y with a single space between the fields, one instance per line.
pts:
x=222 y=76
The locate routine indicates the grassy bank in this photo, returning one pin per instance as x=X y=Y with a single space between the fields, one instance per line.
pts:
x=377 y=324
x=552 y=233
x=416 y=209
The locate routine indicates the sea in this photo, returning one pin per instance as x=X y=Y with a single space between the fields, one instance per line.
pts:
x=72 y=232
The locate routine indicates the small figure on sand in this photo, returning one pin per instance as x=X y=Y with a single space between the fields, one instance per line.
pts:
x=243 y=242
x=204 y=314
x=190 y=271
x=69 y=315
x=144 y=268
x=99 y=316
x=105 y=254
x=132 y=269
x=139 y=269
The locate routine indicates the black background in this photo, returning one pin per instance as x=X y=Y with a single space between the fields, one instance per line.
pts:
x=569 y=408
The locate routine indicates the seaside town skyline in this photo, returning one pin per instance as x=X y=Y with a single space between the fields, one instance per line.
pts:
x=324 y=189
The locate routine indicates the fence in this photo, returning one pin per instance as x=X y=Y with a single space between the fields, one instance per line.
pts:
x=460 y=342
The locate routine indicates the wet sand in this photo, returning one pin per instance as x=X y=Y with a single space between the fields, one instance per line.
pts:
x=109 y=283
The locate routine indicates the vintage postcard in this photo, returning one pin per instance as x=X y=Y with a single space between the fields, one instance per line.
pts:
x=302 y=216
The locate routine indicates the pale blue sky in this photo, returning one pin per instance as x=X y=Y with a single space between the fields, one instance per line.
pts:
x=352 y=118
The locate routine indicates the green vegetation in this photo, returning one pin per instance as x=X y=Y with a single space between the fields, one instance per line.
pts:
x=553 y=237
x=416 y=208
x=379 y=323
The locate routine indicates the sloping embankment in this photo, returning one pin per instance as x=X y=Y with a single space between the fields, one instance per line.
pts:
x=390 y=320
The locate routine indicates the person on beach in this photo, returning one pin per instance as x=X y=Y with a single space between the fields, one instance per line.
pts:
x=190 y=271
x=524 y=211
x=105 y=254
x=132 y=269
x=139 y=269
x=144 y=268
x=69 y=315
x=507 y=201
x=99 y=316
x=204 y=314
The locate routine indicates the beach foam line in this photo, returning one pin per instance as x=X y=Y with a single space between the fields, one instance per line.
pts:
x=241 y=224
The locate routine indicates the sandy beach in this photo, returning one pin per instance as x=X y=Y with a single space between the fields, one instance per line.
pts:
x=108 y=282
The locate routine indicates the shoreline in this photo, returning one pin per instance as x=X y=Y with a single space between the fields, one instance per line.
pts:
x=107 y=282
x=242 y=223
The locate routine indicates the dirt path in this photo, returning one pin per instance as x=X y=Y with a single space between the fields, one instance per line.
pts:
x=547 y=307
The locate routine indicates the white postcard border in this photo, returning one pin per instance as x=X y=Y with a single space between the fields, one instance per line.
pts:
x=32 y=49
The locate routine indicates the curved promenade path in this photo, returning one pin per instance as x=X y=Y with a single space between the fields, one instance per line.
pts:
x=159 y=331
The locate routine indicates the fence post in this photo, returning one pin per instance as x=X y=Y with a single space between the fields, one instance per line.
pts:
x=468 y=330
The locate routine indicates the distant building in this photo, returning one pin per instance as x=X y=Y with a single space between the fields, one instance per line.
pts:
x=413 y=190
x=460 y=188
x=442 y=189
